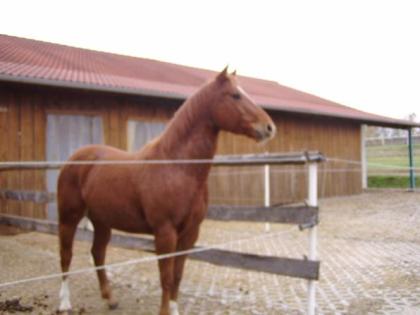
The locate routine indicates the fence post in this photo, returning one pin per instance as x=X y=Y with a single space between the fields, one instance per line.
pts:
x=312 y=255
x=411 y=160
x=267 y=191
x=363 y=157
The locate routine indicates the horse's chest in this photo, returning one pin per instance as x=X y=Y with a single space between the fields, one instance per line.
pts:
x=171 y=194
x=172 y=197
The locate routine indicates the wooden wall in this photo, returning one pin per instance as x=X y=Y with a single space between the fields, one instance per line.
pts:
x=23 y=113
x=335 y=138
x=22 y=128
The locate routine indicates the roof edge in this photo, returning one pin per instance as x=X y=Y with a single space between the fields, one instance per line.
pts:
x=90 y=87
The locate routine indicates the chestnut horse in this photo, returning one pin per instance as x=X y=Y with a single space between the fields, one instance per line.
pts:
x=166 y=200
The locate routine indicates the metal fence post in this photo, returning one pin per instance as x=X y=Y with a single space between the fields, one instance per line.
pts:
x=312 y=255
x=411 y=160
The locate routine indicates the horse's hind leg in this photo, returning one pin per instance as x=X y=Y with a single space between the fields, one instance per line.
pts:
x=66 y=231
x=101 y=239
x=71 y=210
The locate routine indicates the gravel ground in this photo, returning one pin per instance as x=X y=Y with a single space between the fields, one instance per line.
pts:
x=369 y=246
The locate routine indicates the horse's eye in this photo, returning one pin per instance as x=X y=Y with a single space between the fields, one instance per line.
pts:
x=236 y=96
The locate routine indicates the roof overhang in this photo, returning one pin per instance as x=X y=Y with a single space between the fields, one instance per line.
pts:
x=390 y=123
x=91 y=87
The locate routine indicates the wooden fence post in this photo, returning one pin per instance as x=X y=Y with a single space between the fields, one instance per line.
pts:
x=267 y=192
x=312 y=255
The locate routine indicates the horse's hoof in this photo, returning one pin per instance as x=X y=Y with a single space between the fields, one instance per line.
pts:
x=113 y=305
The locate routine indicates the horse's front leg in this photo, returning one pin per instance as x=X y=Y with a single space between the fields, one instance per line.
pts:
x=186 y=241
x=165 y=243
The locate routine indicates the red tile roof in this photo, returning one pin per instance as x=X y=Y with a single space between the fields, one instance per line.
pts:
x=36 y=62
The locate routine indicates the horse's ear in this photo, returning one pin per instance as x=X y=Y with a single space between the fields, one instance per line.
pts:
x=234 y=72
x=223 y=76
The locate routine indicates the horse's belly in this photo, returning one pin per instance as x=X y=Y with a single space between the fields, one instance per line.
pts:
x=117 y=214
x=132 y=227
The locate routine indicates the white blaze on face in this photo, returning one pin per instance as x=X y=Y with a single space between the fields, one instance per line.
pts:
x=173 y=308
x=64 y=296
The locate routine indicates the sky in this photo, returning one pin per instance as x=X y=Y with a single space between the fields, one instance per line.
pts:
x=363 y=54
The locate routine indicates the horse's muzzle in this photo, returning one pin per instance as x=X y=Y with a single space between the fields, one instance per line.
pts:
x=265 y=131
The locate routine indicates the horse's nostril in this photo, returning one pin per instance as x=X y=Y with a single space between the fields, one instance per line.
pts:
x=269 y=128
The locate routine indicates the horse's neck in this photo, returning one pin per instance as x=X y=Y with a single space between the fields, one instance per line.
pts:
x=191 y=134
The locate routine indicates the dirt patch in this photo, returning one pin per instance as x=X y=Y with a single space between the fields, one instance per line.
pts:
x=13 y=306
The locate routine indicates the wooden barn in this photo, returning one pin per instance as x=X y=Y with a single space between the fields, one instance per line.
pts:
x=55 y=98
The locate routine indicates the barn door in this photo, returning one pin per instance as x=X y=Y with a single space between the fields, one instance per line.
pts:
x=65 y=134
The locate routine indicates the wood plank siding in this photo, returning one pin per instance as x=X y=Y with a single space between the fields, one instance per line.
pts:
x=334 y=138
x=23 y=125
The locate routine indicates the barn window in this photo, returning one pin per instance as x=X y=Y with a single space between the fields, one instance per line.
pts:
x=139 y=132
x=65 y=134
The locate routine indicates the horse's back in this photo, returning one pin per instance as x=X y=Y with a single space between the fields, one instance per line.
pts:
x=99 y=152
x=89 y=153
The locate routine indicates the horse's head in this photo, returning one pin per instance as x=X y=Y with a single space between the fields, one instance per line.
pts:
x=234 y=110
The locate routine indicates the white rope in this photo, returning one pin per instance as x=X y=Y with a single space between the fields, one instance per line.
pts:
x=141 y=260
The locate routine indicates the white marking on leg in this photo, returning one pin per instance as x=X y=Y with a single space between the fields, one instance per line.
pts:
x=89 y=225
x=173 y=308
x=64 y=296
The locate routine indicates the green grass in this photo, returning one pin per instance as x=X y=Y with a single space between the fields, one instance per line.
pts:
x=391 y=155
x=390 y=182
